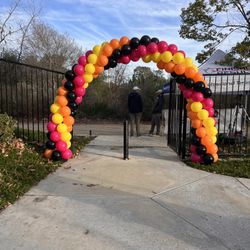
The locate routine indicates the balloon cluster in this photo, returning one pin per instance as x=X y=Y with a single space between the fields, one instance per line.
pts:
x=108 y=55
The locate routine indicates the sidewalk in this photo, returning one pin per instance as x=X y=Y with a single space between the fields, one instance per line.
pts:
x=151 y=201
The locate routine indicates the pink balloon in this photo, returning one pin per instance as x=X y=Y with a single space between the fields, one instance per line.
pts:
x=133 y=56
x=51 y=126
x=79 y=70
x=197 y=97
x=188 y=93
x=193 y=148
x=67 y=154
x=125 y=59
x=141 y=51
x=196 y=158
x=152 y=48
x=208 y=103
x=54 y=136
x=78 y=81
x=78 y=100
x=61 y=146
x=210 y=112
x=162 y=46
x=181 y=51
x=80 y=91
x=88 y=53
x=82 y=60
x=172 y=48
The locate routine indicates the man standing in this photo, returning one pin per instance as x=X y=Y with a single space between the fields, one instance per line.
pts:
x=135 y=108
x=156 y=114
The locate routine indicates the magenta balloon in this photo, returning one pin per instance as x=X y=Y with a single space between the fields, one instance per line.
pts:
x=172 y=48
x=133 y=56
x=78 y=100
x=181 y=51
x=82 y=60
x=196 y=158
x=152 y=48
x=88 y=53
x=182 y=87
x=141 y=51
x=54 y=136
x=80 y=91
x=210 y=112
x=125 y=59
x=188 y=93
x=67 y=154
x=79 y=70
x=78 y=81
x=193 y=148
x=51 y=126
x=162 y=46
x=208 y=103
x=61 y=146
x=197 y=97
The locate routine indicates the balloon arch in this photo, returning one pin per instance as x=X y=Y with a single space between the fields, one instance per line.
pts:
x=167 y=56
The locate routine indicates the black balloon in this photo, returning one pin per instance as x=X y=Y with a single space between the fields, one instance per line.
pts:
x=107 y=66
x=199 y=86
x=195 y=140
x=193 y=131
x=69 y=75
x=201 y=150
x=112 y=63
x=56 y=155
x=145 y=40
x=126 y=50
x=71 y=96
x=180 y=79
x=73 y=105
x=50 y=145
x=206 y=92
x=48 y=135
x=154 y=40
x=208 y=159
x=73 y=113
x=116 y=54
x=134 y=43
x=69 y=85
x=173 y=74
x=189 y=83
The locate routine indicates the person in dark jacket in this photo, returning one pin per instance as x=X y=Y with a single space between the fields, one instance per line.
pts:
x=156 y=114
x=135 y=108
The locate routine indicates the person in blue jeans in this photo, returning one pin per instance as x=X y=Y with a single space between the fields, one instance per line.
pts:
x=135 y=109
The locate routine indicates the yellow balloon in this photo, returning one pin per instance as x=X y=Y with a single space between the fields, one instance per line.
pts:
x=62 y=128
x=88 y=78
x=54 y=108
x=196 y=106
x=178 y=58
x=89 y=68
x=146 y=58
x=195 y=68
x=166 y=56
x=203 y=114
x=212 y=131
x=156 y=57
x=209 y=122
x=97 y=49
x=57 y=118
x=92 y=58
x=85 y=85
x=188 y=62
x=68 y=144
x=66 y=136
x=214 y=139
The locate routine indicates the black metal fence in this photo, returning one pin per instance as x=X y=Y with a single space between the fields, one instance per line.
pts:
x=232 y=104
x=26 y=93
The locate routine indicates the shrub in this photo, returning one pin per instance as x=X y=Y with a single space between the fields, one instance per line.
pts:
x=7 y=128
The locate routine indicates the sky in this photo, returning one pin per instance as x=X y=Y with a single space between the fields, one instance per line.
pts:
x=92 y=22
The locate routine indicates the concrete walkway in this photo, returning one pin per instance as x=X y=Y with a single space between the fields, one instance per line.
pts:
x=152 y=201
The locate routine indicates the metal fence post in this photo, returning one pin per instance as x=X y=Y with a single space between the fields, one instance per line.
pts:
x=125 y=140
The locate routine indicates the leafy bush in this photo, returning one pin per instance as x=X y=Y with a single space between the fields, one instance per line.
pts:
x=7 y=128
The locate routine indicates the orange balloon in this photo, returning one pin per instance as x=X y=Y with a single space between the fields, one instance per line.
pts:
x=69 y=120
x=169 y=67
x=190 y=72
x=65 y=111
x=179 y=69
x=102 y=60
x=115 y=43
x=192 y=115
x=61 y=100
x=160 y=65
x=62 y=91
x=47 y=153
x=69 y=128
x=216 y=158
x=206 y=141
x=107 y=50
x=198 y=77
x=201 y=132
x=212 y=149
x=196 y=123
x=124 y=40
x=188 y=106
x=98 y=69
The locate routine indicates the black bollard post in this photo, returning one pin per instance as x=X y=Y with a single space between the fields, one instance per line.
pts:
x=125 y=140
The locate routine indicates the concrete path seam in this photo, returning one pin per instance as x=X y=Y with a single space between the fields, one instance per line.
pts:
x=212 y=237
x=245 y=186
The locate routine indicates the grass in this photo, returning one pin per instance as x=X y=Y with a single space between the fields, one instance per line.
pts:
x=231 y=167
x=20 y=169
